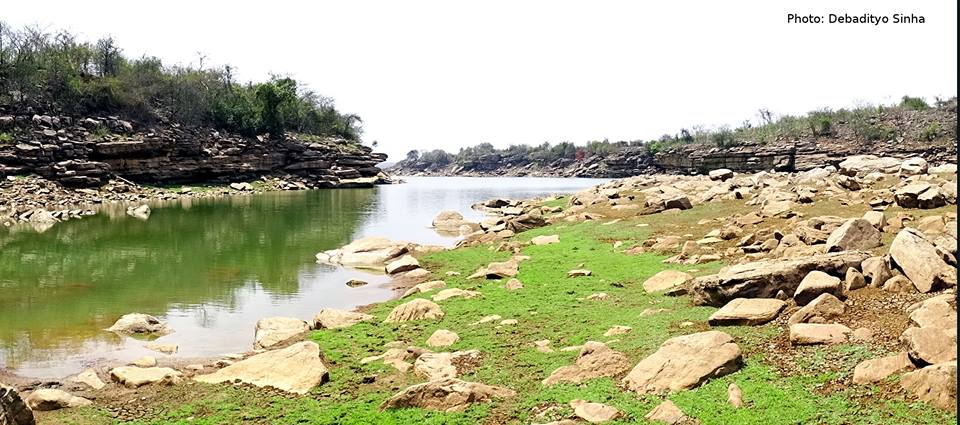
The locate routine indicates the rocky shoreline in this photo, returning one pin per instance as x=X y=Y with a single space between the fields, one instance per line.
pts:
x=862 y=254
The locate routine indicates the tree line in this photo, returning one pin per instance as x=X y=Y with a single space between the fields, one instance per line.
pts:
x=57 y=72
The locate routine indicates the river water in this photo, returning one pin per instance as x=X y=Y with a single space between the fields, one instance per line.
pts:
x=211 y=267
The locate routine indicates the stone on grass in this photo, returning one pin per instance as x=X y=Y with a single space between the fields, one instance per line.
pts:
x=822 y=309
x=667 y=279
x=330 y=318
x=814 y=284
x=595 y=360
x=497 y=270
x=668 y=413
x=936 y=384
x=854 y=234
x=513 y=284
x=295 y=369
x=876 y=370
x=594 y=413
x=545 y=239
x=442 y=338
x=133 y=377
x=138 y=323
x=920 y=261
x=53 y=399
x=617 y=330
x=817 y=333
x=447 y=395
x=435 y=366
x=276 y=331
x=454 y=293
x=734 y=395
x=685 y=362
x=747 y=312
x=403 y=264
x=417 y=309
x=424 y=287
x=579 y=272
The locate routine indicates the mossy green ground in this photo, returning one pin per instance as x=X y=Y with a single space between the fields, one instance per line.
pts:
x=552 y=306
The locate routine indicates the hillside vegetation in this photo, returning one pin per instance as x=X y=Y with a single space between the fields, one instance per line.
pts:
x=57 y=73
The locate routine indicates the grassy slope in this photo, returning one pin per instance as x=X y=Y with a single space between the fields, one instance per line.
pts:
x=551 y=306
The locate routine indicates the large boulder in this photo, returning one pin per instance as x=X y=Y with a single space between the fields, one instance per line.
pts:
x=449 y=221
x=54 y=399
x=685 y=362
x=666 y=279
x=330 y=318
x=920 y=195
x=913 y=166
x=854 y=234
x=747 y=312
x=13 y=410
x=920 y=261
x=275 y=331
x=371 y=252
x=447 y=395
x=295 y=369
x=935 y=384
x=595 y=360
x=822 y=309
x=931 y=344
x=876 y=370
x=721 y=174
x=417 y=309
x=138 y=323
x=763 y=279
x=402 y=264
x=861 y=165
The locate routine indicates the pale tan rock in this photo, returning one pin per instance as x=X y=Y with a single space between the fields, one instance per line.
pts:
x=543 y=346
x=162 y=348
x=685 y=362
x=734 y=395
x=418 y=309
x=876 y=270
x=442 y=338
x=513 y=284
x=853 y=280
x=487 y=319
x=295 y=369
x=936 y=384
x=617 y=330
x=816 y=333
x=876 y=370
x=424 y=287
x=330 y=318
x=920 y=261
x=435 y=366
x=497 y=270
x=579 y=273
x=862 y=334
x=402 y=264
x=931 y=344
x=814 y=284
x=448 y=395
x=509 y=322
x=594 y=413
x=875 y=218
x=899 y=283
x=276 y=331
x=89 y=378
x=133 y=377
x=823 y=309
x=595 y=360
x=53 y=399
x=854 y=234
x=747 y=312
x=448 y=293
x=599 y=296
x=665 y=280
x=545 y=239
x=138 y=323
x=145 y=361
x=668 y=413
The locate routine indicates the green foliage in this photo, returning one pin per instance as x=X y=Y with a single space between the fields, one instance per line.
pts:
x=6 y=138
x=723 y=138
x=821 y=123
x=930 y=132
x=914 y=103
x=100 y=132
x=57 y=72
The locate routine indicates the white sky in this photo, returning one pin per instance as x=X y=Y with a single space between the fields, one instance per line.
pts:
x=446 y=74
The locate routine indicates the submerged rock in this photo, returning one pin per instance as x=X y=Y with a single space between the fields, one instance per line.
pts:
x=138 y=323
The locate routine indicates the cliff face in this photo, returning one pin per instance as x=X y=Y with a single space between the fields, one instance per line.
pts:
x=85 y=151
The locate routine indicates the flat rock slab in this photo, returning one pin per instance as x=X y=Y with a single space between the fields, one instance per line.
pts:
x=594 y=361
x=816 y=333
x=497 y=270
x=53 y=399
x=763 y=279
x=545 y=239
x=665 y=280
x=685 y=362
x=876 y=370
x=442 y=338
x=747 y=312
x=447 y=395
x=403 y=264
x=330 y=318
x=424 y=287
x=594 y=413
x=436 y=366
x=133 y=377
x=668 y=413
x=295 y=369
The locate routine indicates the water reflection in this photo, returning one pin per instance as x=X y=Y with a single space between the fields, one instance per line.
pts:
x=210 y=267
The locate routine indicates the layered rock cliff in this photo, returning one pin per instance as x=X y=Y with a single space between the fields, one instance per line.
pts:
x=86 y=151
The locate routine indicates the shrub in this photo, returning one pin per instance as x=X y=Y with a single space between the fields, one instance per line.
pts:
x=914 y=103
x=930 y=132
x=6 y=138
x=821 y=123
x=723 y=137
